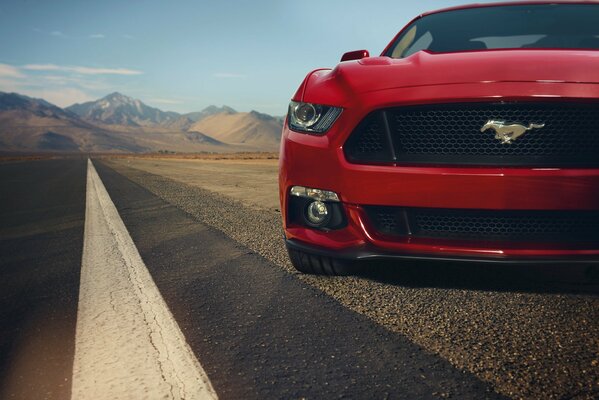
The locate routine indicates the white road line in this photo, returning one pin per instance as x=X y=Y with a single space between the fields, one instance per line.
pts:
x=128 y=345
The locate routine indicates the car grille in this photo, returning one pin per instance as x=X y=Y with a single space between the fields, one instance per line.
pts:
x=483 y=225
x=451 y=134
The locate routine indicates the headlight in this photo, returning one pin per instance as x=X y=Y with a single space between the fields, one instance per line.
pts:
x=314 y=118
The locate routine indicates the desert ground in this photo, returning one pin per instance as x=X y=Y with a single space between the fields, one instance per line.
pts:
x=253 y=182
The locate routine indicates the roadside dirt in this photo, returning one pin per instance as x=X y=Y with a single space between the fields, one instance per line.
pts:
x=252 y=182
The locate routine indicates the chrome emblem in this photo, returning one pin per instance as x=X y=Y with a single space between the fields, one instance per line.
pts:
x=507 y=133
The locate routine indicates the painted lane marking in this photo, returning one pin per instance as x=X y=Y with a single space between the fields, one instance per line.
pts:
x=127 y=345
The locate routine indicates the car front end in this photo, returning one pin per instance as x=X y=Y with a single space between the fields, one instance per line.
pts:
x=468 y=154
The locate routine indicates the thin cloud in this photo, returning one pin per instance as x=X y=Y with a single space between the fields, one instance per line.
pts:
x=50 y=33
x=8 y=71
x=82 y=70
x=77 y=81
x=97 y=36
x=60 y=95
x=228 y=75
x=127 y=36
x=165 y=101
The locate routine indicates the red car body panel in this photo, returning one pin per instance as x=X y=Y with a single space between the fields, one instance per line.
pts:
x=523 y=75
x=424 y=69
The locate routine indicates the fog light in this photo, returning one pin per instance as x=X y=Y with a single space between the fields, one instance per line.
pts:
x=317 y=213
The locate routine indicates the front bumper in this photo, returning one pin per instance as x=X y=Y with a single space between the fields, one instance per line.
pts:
x=317 y=162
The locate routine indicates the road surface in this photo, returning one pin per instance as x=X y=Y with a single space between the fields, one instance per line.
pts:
x=117 y=283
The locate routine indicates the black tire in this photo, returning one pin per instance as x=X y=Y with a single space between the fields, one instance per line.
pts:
x=319 y=265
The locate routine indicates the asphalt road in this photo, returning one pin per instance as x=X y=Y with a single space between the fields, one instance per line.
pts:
x=42 y=210
x=532 y=332
x=257 y=329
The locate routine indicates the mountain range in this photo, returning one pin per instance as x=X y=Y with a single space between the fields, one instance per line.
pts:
x=118 y=109
x=119 y=123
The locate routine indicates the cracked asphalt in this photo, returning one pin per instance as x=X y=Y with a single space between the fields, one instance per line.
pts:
x=530 y=332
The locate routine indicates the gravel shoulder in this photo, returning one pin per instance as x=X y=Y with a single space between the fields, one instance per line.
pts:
x=518 y=329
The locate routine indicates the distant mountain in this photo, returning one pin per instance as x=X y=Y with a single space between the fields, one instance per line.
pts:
x=185 y=121
x=255 y=129
x=118 y=109
x=208 y=111
x=120 y=123
x=56 y=142
x=28 y=124
x=198 y=137
x=39 y=107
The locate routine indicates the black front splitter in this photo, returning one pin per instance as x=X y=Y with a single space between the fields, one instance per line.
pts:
x=372 y=254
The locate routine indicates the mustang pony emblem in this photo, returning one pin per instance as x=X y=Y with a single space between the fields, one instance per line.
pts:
x=507 y=133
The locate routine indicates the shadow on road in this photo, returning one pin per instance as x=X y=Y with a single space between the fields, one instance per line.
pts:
x=566 y=279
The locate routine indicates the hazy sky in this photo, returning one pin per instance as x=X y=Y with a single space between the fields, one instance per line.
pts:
x=184 y=55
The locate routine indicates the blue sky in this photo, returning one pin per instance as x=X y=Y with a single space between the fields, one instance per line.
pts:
x=183 y=55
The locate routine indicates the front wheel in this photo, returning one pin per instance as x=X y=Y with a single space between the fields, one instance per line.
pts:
x=319 y=265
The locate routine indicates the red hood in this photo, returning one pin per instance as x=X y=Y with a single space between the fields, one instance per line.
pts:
x=425 y=69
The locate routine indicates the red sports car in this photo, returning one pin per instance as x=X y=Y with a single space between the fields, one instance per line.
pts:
x=473 y=136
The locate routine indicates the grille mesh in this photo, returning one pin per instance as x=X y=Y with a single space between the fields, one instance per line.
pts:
x=372 y=140
x=487 y=225
x=451 y=134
